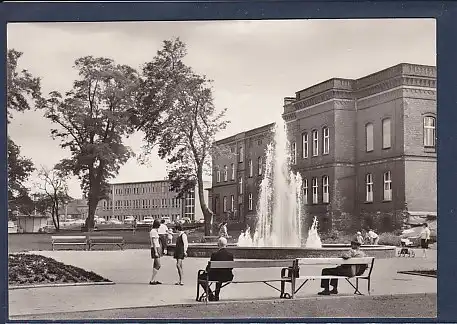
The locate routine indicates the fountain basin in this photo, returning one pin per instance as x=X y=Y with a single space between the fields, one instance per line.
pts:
x=204 y=250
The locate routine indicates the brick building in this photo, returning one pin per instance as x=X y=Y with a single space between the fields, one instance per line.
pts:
x=365 y=148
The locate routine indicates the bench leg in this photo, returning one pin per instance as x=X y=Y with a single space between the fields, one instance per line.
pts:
x=356 y=292
x=369 y=286
x=53 y=246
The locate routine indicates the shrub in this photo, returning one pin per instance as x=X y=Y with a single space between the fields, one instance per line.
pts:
x=389 y=239
x=336 y=237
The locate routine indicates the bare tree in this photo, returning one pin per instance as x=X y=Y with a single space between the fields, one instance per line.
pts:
x=55 y=189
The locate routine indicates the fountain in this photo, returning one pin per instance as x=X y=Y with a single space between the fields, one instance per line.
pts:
x=280 y=214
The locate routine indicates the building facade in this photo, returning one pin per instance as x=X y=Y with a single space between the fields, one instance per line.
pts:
x=147 y=199
x=366 y=150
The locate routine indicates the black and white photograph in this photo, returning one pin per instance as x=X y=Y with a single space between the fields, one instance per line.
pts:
x=222 y=169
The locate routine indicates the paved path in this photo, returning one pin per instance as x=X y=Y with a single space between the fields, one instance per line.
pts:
x=397 y=306
x=130 y=270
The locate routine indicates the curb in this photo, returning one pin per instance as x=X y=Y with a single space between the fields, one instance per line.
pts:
x=62 y=285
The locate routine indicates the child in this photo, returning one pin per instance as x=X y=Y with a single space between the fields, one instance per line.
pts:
x=169 y=236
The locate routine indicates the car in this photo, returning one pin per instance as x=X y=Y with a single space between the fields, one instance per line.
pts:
x=201 y=221
x=99 y=220
x=129 y=220
x=114 y=221
x=167 y=220
x=148 y=220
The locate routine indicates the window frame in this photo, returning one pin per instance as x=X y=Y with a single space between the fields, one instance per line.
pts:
x=325 y=187
x=305 y=145
x=250 y=202
x=315 y=186
x=425 y=132
x=369 y=186
x=387 y=182
x=305 y=191
x=315 y=142
x=325 y=140
x=225 y=173
x=366 y=137
x=384 y=146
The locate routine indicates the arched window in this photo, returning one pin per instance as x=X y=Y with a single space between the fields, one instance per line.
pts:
x=225 y=173
x=325 y=140
x=315 y=142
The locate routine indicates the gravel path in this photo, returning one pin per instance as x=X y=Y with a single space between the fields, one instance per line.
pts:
x=406 y=306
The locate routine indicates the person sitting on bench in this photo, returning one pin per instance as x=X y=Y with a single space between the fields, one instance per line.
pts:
x=346 y=270
x=219 y=275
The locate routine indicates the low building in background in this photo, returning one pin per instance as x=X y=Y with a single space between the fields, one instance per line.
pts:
x=149 y=199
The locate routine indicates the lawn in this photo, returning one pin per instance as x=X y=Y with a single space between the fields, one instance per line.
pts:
x=32 y=269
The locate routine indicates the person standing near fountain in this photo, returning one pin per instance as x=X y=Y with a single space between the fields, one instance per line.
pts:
x=346 y=270
x=359 y=238
x=223 y=230
x=372 y=237
x=155 y=251
x=180 y=252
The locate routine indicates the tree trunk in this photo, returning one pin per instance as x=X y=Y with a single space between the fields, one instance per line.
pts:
x=207 y=214
x=56 y=222
x=93 y=202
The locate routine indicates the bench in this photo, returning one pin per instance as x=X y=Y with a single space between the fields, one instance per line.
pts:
x=69 y=240
x=369 y=261
x=106 y=240
x=244 y=264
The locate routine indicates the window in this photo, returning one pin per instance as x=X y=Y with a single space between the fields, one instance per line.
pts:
x=251 y=171
x=233 y=171
x=325 y=191
x=369 y=187
x=369 y=136
x=326 y=140
x=250 y=201
x=387 y=186
x=218 y=176
x=305 y=146
x=315 y=143
x=224 y=202
x=241 y=185
x=241 y=155
x=386 y=133
x=293 y=152
x=232 y=203
x=429 y=131
x=305 y=191
x=260 y=162
x=315 y=191
x=225 y=173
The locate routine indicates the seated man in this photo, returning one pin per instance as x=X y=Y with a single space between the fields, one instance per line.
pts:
x=219 y=275
x=346 y=270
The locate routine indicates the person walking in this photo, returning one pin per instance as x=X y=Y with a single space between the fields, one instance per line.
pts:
x=163 y=229
x=219 y=275
x=155 y=251
x=180 y=252
x=425 y=238
x=134 y=224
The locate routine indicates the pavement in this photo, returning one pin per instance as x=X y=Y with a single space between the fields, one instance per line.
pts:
x=131 y=269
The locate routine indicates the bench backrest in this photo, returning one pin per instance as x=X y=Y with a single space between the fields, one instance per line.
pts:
x=106 y=238
x=68 y=237
x=251 y=264
x=336 y=261
x=339 y=261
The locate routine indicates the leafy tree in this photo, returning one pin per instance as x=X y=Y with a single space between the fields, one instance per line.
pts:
x=54 y=192
x=22 y=87
x=176 y=112
x=91 y=120
x=22 y=90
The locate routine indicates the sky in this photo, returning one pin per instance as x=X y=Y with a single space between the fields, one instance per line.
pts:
x=254 y=65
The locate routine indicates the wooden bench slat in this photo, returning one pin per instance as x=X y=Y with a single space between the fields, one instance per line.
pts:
x=68 y=237
x=251 y=264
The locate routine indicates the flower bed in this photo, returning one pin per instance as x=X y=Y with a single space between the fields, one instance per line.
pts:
x=32 y=269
